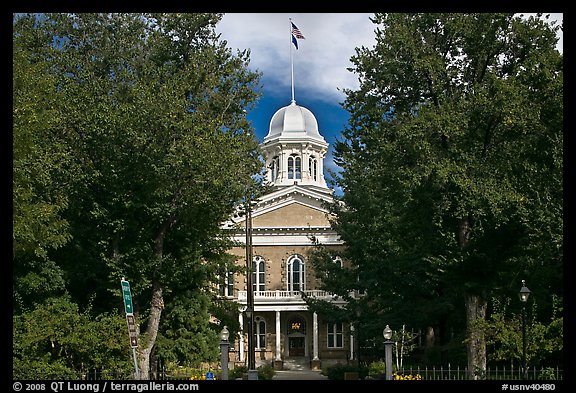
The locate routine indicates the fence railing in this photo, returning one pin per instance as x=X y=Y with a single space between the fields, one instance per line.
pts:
x=491 y=373
x=423 y=373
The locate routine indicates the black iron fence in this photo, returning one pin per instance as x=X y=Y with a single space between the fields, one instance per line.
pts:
x=491 y=373
x=414 y=373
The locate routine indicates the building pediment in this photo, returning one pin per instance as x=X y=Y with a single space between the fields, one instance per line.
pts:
x=290 y=215
x=288 y=207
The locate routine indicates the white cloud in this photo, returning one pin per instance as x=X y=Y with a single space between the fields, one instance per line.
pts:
x=321 y=62
x=323 y=57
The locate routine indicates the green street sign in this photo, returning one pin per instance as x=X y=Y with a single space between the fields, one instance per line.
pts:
x=127 y=297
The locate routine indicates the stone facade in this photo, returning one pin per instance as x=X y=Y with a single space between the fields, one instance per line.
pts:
x=283 y=225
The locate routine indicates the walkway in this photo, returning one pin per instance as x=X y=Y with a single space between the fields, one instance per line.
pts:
x=298 y=375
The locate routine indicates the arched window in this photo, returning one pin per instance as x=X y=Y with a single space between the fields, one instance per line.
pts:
x=260 y=333
x=294 y=167
x=313 y=168
x=258 y=274
x=290 y=167
x=337 y=260
x=298 y=162
x=296 y=273
x=275 y=168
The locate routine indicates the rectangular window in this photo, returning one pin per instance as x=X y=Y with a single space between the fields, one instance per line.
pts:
x=335 y=335
x=262 y=341
x=230 y=284
x=262 y=281
x=226 y=284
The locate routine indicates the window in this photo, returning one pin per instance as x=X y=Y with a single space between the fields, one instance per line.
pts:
x=294 y=167
x=296 y=325
x=290 y=167
x=312 y=168
x=335 y=336
x=296 y=273
x=260 y=333
x=275 y=168
x=226 y=284
x=298 y=168
x=337 y=260
x=258 y=274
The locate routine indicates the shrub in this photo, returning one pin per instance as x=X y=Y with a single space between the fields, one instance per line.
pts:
x=337 y=371
x=377 y=370
x=237 y=372
x=266 y=371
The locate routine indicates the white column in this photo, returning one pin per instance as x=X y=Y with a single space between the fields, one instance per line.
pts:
x=351 y=342
x=241 y=339
x=278 y=352
x=315 y=336
x=283 y=166
x=305 y=167
x=321 y=178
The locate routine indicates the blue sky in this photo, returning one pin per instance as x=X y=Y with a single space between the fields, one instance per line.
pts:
x=320 y=63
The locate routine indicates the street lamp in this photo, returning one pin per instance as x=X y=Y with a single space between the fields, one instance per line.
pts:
x=387 y=333
x=224 y=334
x=252 y=372
x=524 y=293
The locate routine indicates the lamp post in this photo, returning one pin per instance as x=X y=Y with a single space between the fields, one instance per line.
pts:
x=387 y=333
x=358 y=339
x=252 y=372
x=524 y=293
x=224 y=334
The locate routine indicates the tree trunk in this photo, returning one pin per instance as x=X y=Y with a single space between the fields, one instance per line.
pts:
x=475 y=313
x=156 y=305
x=475 y=340
x=152 y=329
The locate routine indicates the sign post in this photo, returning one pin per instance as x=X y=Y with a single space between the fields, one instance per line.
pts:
x=128 y=307
x=127 y=296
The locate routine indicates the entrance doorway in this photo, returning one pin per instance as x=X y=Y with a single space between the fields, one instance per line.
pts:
x=296 y=346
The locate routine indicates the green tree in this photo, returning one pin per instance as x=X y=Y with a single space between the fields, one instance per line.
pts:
x=151 y=109
x=544 y=341
x=40 y=182
x=452 y=169
x=56 y=340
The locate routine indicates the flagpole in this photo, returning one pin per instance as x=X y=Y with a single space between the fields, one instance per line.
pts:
x=291 y=58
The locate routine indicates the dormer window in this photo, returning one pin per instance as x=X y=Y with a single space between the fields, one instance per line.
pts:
x=313 y=168
x=274 y=168
x=294 y=167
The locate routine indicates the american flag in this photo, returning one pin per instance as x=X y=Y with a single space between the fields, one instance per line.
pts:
x=296 y=32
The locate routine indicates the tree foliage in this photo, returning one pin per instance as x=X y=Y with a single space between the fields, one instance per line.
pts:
x=131 y=146
x=57 y=340
x=452 y=167
x=544 y=339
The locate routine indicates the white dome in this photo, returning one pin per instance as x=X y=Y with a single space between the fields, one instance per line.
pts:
x=293 y=121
